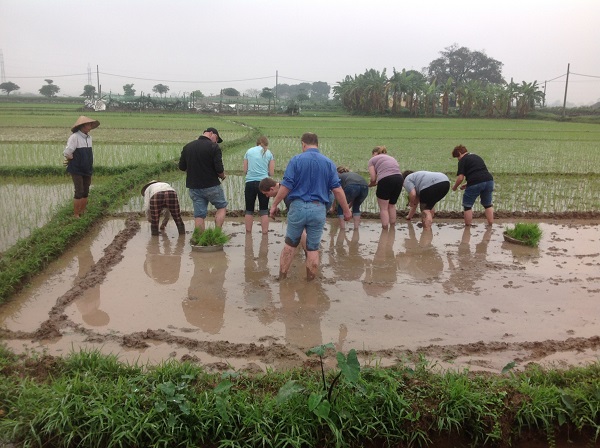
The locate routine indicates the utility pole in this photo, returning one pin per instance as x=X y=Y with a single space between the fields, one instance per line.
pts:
x=98 y=78
x=566 y=87
x=544 y=101
x=2 y=75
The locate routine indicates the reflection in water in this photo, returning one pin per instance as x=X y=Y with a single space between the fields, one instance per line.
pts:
x=163 y=261
x=257 y=288
x=344 y=255
x=380 y=274
x=89 y=302
x=521 y=254
x=205 y=304
x=420 y=258
x=302 y=305
x=467 y=268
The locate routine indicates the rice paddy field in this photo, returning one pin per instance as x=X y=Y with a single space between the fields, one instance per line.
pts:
x=539 y=166
x=417 y=301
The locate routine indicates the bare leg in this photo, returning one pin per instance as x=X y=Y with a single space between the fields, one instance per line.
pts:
x=489 y=214
x=285 y=261
x=383 y=212
x=468 y=217
x=356 y=220
x=312 y=264
x=76 y=208
x=392 y=213
x=220 y=217
x=342 y=223
x=427 y=219
x=84 y=202
x=264 y=224
x=248 y=221
x=199 y=223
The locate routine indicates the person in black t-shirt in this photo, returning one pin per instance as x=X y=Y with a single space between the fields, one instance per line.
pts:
x=202 y=160
x=480 y=183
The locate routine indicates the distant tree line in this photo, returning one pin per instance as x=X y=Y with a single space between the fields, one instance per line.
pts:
x=468 y=81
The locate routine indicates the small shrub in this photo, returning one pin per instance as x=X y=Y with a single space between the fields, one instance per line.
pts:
x=529 y=233
x=210 y=237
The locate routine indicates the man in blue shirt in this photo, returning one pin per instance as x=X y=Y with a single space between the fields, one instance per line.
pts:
x=307 y=181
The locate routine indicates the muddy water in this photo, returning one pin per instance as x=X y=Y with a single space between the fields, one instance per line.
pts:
x=460 y=296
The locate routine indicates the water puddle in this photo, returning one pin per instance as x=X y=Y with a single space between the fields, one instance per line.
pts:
x=461 y=296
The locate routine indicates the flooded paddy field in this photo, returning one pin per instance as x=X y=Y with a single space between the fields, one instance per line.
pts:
x=461 y=297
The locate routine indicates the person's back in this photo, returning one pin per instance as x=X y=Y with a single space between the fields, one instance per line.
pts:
x=203 y=161
x=474 y=169
x=351 y=177
x=385 y=165
x=258 y=163
x=311 y=177
x=423 y=179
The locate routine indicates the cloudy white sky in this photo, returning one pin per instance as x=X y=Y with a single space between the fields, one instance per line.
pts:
x=214 y=44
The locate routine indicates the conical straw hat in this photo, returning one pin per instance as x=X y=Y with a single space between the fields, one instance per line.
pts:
x=147 y=185
x=83 y=120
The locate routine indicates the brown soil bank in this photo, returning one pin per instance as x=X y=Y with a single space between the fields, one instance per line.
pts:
x=460 y=296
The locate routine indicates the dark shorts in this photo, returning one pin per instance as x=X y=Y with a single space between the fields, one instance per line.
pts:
x=389 y=188
x=432 y=195
x=82 y=185
x=251 y=192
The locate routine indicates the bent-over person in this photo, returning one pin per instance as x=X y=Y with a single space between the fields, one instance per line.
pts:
x=159 y=196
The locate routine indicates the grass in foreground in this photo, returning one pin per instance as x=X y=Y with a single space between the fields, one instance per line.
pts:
x=90 y=399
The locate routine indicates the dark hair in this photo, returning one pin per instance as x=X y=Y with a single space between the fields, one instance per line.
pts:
x=343 y=169
x=406 y=173
x=266 y=184
x=310 y=139
x=458 y=150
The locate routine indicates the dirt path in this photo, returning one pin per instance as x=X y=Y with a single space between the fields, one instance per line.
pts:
x=460 y=297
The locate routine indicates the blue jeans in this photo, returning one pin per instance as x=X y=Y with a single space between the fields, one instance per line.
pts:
x=483 y=189
x=356 y=194
x=309 y=216
x=201 y=197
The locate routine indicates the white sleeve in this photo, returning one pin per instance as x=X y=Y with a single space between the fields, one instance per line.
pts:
x=71 y=145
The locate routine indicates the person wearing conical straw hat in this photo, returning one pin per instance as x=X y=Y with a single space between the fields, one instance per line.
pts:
x=80 y=161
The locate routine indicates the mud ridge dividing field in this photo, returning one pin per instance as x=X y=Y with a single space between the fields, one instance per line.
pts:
x=461 y=297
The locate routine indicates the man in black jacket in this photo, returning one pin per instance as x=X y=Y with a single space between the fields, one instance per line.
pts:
x=202 y=160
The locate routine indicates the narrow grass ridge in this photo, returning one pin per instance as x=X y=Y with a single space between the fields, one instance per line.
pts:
x=90 y=399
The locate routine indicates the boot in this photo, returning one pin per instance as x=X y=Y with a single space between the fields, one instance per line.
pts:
x=181 y=228
x=154 y=229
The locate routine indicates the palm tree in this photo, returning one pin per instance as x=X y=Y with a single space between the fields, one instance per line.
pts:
x=446 y=90
x=398 y=86
x=528 y=95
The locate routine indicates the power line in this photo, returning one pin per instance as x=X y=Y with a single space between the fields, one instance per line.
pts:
x=190 y=82
x=588 y=76
x=47 y=76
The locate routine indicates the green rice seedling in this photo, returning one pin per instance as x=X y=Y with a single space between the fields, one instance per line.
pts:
x=42 y=199
x=528 y=233
x=211 y=236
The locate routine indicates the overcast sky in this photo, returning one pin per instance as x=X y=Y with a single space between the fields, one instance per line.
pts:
x=210 y=45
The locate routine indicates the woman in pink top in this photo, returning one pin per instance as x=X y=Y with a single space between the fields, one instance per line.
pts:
x=386 y=175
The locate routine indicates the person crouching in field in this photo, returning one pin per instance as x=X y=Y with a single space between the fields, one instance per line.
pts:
x=425 y=188
x=356 y=190
x=480 y=183
x=79 y=159
x=159 y=196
